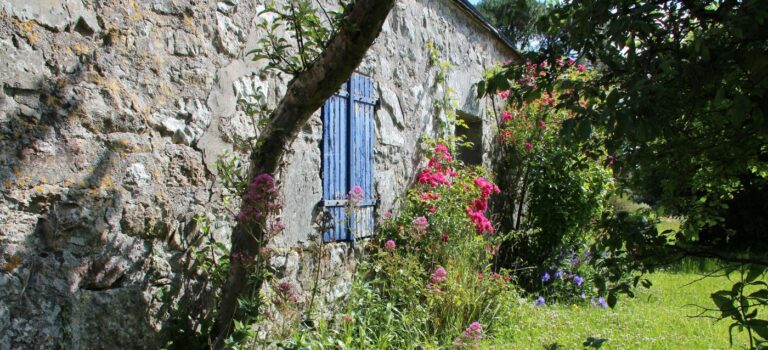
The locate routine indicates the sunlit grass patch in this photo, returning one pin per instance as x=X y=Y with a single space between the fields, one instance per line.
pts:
x=657 y=318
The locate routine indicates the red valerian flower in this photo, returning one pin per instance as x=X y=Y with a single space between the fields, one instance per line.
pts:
x=504 y=94
x=439 y=276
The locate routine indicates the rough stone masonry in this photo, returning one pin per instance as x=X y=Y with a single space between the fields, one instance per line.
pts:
x=112 y=115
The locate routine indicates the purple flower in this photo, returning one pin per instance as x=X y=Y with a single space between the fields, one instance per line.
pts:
x=540 y=301
x=602 y=302
x=558 y=274
x=583 y=296
x=578 y=280
x=390 y=245
x=545 y=277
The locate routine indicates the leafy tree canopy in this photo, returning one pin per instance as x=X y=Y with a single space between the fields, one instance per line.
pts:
x=681 y=96
x=515 y=18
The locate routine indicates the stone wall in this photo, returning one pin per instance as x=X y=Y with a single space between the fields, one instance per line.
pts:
x=112 y=115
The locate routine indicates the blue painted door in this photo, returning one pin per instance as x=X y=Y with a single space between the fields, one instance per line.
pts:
x=348 y=160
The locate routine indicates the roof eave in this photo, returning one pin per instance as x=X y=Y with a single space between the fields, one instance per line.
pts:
x=472 y=11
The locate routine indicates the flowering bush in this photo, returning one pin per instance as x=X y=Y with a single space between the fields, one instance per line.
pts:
x=428 y=275
x=554 y=190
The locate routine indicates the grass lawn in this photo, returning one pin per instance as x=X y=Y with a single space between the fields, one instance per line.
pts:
x=655 y=319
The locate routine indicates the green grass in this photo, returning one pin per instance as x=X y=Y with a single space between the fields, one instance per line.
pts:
x=655 y=319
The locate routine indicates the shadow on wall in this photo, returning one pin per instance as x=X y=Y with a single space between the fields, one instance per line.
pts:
x=79 y=233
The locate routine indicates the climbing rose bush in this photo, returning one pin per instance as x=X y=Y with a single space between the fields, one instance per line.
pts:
x=555 y=190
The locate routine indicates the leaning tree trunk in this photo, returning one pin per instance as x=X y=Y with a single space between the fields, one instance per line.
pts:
x=305 y=94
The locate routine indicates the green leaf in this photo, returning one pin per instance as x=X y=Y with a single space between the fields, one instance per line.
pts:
x=612 y=98
x=760 y=327
x=755 y=271
x=646 y=283
x=724 y=303
x=760 y=294
x=739 y=110
x=584 y=130
x=481 y=89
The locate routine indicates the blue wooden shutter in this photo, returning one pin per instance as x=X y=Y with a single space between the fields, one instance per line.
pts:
x=348 y=159
x=361 y=163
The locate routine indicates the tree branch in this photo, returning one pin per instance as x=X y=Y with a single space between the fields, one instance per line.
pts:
x=305 y=94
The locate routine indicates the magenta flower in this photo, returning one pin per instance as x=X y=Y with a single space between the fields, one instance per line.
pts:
x=581 y=68
x=486 y=187
x=390 y=245
x=528 y=147
x=504 y=94
x=506 y=116
x=439 y=276
x=482 y=224
x=474 y=330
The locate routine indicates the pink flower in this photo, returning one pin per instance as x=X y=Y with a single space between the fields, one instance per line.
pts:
x=542 y=124
x=504 y=94
x=356 y=194
x=429 y=196
x=482 y=224
x=439 y=276
x=571 y=61
x=442 y=151
x=506 y=116
x=421 y=224
x=470 y=337
x=559 y=62
x=260 y=199
x=581 y=68
x=528 y=147
x=486 y=187
x=390 y=245
x=433 y=179
x=388 y=214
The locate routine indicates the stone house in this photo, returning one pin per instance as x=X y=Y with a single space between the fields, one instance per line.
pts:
x=112 y=116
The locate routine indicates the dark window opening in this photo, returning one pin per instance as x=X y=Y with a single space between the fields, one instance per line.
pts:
x=472 y=133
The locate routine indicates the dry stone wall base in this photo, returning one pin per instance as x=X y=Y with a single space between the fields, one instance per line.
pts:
x=112 y=115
